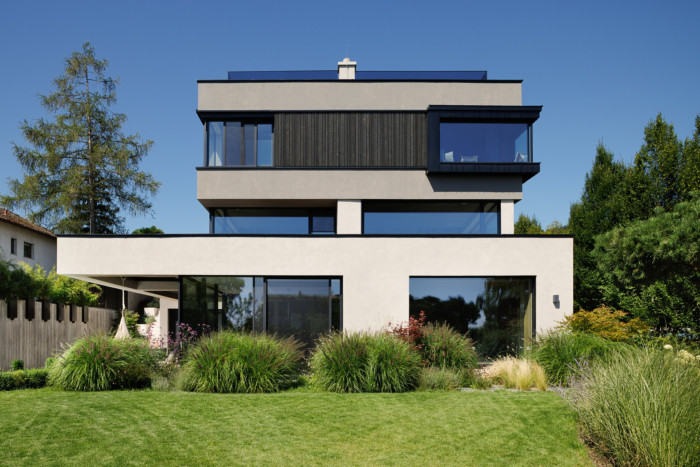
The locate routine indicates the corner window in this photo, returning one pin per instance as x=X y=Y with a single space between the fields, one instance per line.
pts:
x=246 y=143
x=28 y=250
x=431 y=218
x=13 y=246
x=468 y=142
x=265 y=221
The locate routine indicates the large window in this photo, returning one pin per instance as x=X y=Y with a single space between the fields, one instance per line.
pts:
x=469 y=142
x=431 y=218
x=239 y=143
x=304 y=308
x=496 y=312
x=289 y=221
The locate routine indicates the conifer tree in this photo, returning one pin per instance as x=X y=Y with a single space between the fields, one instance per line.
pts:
x=81 y=169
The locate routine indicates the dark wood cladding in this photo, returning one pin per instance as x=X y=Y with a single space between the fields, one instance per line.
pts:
x=351 y=139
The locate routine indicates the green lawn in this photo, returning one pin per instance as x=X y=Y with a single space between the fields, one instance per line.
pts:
x=48 y=427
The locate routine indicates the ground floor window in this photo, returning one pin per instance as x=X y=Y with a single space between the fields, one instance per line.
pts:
x=288 y=306
x=496 y=312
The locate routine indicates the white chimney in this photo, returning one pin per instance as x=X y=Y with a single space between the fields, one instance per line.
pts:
x=346 y=69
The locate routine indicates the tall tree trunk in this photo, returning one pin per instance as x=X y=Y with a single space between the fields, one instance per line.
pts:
x=91 y=168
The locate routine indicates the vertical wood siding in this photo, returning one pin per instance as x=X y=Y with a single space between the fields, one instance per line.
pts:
x=36 y=340
x=350 y=139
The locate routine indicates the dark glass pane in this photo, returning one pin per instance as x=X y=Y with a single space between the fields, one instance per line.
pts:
x=215 y=142
x=250 y=146
x=299 y=308
x=484 y=142
x=431 y=219
x=336 y=305
x=259 y=304
x=265 y=144
x=233 y=143
x=273 y=225
x=195 y=308
x=323 y=224
x=496 y=312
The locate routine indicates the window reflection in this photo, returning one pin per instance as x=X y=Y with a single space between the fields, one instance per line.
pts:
x=463 y=142
x=239 y=143
x=496 y=312
x=431 y=218
x=271 y=221
x=299 y=307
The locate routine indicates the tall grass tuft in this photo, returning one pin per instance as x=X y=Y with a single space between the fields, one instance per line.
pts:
x=100 y=363
x=228 y=362
x=640 y=406
x=446 y=348
x=362 y=362
x=518 y=373
x=435 y=378
x=560 y=352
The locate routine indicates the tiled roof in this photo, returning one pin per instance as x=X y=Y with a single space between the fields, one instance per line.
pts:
x=12 y=218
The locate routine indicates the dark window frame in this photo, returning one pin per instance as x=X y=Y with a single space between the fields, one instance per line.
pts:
x=243 y=119
x=442 y=206
x=13 y=246
x=28 y=247
x=309 y=213
x=480 y=114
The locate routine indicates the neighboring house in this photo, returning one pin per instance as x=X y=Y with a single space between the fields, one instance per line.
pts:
x=350 y=200
x=21 y=240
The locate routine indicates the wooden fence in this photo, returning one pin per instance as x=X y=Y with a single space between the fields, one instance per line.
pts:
x=34 y=340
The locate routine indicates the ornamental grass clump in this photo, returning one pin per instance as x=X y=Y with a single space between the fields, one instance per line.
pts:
x=363 y=362
x=235 y=362
x=444 y=347
x=640 y=406
x=101 y=363
x=435 y=378
x=518 y=373
x=560 y=352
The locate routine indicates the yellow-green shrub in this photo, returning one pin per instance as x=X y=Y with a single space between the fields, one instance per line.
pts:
x=606 y=322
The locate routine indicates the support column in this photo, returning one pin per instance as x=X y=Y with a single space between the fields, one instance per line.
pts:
x=507 y=217
x=349 y=217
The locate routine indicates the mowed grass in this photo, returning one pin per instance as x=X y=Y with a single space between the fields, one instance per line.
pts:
x=49 y=427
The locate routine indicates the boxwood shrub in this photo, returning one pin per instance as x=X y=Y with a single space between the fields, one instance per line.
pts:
x=23 y=379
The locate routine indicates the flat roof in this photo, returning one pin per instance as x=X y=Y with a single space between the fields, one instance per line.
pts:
x=327 y=75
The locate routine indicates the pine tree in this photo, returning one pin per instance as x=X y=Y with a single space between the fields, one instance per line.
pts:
x=81 y=169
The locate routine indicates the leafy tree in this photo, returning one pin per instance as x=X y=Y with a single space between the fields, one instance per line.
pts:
x=651 y=268
x=528 y=225
x=147 y=230
x=81 y=169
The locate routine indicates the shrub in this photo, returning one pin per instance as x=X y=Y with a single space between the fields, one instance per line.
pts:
x=518 y=373
x=361 y=362
x=100 y=363
x=560 y=352
x=444 y=347
x=608 y=323
x=411 y=332
x=23 y=379
x=640 y=406
x=17 y=365
x=240 y=362
x=439 y=378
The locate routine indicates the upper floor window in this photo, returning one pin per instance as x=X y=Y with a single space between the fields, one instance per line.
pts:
x=431 y=218
x=13 y=246
x=464 y=142
x=239 y=143
x=28 y=250
x=273 y=221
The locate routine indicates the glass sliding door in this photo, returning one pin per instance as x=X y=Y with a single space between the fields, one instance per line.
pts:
x=303 y=308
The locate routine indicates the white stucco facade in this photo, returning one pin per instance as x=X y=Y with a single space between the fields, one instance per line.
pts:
x=43 y=246
x=375 y=271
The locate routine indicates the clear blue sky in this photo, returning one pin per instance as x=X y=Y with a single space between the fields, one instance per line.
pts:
x=601 y=70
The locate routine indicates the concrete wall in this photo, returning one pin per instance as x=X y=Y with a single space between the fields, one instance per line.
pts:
x=36 y=340
x=230 y=188
x=375 y=270
x=44 y=245
x=352 y=95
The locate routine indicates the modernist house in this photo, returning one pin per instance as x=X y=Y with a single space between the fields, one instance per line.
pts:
x=350 y=200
